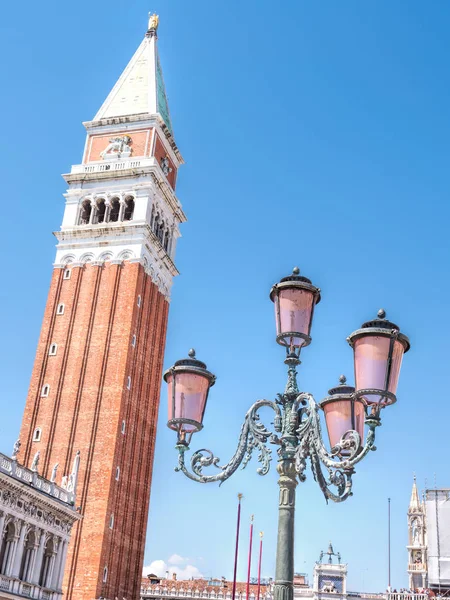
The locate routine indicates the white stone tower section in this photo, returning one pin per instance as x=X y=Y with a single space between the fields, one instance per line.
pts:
x=121 y=202
x=417 y=559
x=330 y=576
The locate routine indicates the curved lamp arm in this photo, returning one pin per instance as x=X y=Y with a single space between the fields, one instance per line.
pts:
x=340 y=470
x=254 y=435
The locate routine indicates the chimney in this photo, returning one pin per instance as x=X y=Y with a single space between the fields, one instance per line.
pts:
x=167 y=574
x=174 y=576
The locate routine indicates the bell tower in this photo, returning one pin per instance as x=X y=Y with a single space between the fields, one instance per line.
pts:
x=96 y=379
x=417 y=560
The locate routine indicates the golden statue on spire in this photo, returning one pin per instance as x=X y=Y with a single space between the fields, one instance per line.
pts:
x=153 y=20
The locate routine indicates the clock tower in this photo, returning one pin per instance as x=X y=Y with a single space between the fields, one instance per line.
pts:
x=417 y=542
x=96 y=379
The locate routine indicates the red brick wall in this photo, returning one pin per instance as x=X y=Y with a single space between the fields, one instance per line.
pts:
x=140 y=143
x=87 y=402
x=161 y=153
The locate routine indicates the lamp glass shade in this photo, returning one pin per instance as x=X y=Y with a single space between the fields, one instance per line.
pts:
x=293 y=310
x=340 y=418
x=371 y=365
x=191 y=392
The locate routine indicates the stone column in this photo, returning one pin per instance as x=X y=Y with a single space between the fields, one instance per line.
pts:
x=59 y=553
x=51 y=567
x=2 y=525
x=122 y=209
x=284 y=571
x=16 y=556
x=38 y=562
x=107 y=210
x=93 y=211
x=59 y=574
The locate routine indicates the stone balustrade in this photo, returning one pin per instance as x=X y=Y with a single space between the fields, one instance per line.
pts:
x=12 y=585
x=406 y=596
x=121 y=165
x=167 y=592
x=10 y=466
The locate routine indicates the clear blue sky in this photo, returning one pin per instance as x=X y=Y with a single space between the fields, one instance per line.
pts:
x=314 y=134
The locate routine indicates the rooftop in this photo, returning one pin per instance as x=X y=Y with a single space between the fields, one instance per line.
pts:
x=31 y=478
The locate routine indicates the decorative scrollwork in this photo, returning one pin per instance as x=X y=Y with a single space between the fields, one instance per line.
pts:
x=254 y=436
x=298 y=422
x=339 y=462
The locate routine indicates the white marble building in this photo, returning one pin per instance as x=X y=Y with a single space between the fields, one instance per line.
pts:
x=36 y=518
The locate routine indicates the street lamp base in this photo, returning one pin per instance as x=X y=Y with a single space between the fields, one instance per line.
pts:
x=283 y=590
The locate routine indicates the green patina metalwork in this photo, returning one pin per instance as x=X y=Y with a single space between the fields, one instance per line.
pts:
x=298 y=438
x=163 y=106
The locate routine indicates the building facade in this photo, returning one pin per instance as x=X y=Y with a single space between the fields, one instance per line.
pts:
x=429 y=541
x=329 y=583
x=157 y=588
x=36 y=519
x=96 y=379
x=417 y=549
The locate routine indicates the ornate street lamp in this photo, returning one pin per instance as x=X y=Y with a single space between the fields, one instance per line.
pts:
x=378 y=351
x=188 y=383
x=294 y=298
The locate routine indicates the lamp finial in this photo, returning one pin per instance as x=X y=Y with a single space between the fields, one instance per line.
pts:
x=191 y=353
x=381 y=313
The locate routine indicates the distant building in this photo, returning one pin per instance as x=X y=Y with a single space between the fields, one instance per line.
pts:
x=429 y=541
x=417 y=539
x=154 y=588
x=36 y=519
x=329 y=583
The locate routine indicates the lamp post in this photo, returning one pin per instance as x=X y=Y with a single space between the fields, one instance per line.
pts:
x=378 y=348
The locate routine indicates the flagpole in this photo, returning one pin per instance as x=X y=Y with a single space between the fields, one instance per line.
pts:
x=261 y=535
x=249 y=558
x=233 y=595
x=389 y=544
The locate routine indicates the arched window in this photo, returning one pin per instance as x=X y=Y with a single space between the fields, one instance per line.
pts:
x=8 y=539
x=129 y=209
x=67 y=274
x=60 y=309
x=53 y=349
x=166 y=240
x=37 y=435
x=105 y=574
x=117 y=473
x=156 y=224
x=30 y=546
x=45 y=390
x=85 y=212
x=160 y=233
x=152 y=218
x=101 y=208
x=46 y=568
x=115 y=210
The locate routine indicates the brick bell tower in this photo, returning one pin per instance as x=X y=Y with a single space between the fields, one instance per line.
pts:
x=96 y=379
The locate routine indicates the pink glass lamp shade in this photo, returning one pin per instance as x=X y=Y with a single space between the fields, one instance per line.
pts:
x=343 y=413
x=378 y=352
x=294 y=298
x=188 y=387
